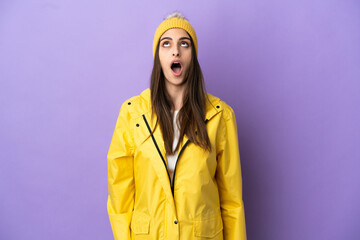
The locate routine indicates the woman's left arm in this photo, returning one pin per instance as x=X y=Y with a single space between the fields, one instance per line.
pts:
x=228 y=177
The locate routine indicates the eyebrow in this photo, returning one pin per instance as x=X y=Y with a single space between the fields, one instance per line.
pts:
x=172 y=39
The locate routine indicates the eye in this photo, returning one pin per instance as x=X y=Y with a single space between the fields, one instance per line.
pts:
x=184 y=44
x=166 y=44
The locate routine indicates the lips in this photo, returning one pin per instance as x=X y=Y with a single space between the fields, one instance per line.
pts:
x=176 y=67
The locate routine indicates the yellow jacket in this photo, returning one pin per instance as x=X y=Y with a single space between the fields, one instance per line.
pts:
x=205 y=201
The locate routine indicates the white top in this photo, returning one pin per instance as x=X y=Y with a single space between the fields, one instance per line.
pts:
x=171 y=159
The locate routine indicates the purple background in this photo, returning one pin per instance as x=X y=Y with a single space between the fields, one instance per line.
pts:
x=289 y=69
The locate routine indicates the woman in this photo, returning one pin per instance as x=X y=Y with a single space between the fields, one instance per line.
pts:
x=173 y=162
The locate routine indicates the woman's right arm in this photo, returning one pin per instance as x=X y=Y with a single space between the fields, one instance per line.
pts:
x=121 y=187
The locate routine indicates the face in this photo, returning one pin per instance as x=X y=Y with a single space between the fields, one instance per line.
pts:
x=175 y=56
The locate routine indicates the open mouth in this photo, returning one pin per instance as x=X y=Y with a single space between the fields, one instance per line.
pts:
x=176 y=67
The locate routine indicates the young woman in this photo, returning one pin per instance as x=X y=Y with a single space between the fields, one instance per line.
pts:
x=173 y=162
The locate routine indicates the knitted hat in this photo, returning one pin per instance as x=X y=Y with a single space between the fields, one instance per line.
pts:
x=174 y=22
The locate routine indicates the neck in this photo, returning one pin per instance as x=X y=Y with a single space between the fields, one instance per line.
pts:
x=176 y=94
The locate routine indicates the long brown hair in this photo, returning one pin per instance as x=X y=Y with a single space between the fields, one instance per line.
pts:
x=191 y=115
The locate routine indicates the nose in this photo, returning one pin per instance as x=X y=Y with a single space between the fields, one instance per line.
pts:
x=176 y=52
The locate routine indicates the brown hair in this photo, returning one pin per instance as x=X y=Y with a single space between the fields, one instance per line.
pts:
x=192 y=114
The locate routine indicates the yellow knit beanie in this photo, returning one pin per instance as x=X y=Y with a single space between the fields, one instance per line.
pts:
x=174 y=22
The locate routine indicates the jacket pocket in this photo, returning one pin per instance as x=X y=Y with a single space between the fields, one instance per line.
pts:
x=208 y=228
x=140 y=223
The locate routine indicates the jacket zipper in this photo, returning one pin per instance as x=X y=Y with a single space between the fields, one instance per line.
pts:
x=173 y=182
x=177 y=160
x=157 y=147
x=162 y=158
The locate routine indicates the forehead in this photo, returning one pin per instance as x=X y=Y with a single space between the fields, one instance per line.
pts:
x=175 y=33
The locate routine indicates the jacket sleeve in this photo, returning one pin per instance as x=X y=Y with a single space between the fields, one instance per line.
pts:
x=121 y=187
x=228 y=177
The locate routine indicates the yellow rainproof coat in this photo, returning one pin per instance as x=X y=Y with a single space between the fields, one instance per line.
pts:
x=205 y=200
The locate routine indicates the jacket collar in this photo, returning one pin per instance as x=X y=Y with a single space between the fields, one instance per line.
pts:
x=212 y=106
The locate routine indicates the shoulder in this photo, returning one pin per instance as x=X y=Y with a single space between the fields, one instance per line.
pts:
x=220 y=105
x=136 y=105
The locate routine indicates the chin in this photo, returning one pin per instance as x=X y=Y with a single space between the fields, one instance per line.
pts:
x=175 y=82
